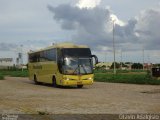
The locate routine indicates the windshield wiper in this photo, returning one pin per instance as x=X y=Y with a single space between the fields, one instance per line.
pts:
x=75 y=70
x=84 y=68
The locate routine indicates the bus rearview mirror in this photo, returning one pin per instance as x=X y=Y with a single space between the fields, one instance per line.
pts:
x=96 y=58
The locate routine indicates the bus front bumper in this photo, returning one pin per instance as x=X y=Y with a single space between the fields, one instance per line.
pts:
x=77 y=80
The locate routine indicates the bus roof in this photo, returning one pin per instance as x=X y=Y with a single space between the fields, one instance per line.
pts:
x=61 y=45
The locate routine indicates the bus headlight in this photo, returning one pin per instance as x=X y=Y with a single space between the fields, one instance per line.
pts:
x=91 y=78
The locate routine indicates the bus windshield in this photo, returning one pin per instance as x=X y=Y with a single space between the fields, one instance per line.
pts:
x=74 y=66
x=76 y=52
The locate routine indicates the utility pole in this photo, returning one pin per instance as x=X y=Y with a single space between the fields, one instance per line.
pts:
x=143 y=58
x=114 y=64
x=149 y=63
x=21 y=54
x=121 y=59
x=105 y=56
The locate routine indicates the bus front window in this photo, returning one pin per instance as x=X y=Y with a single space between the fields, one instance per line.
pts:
x=73 y=66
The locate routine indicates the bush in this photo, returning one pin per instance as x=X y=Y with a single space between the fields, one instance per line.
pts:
x=19 y=73
x=1 y=77
x=14 y=73
x=126 y=78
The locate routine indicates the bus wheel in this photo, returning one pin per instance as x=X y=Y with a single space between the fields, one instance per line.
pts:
x=79 y=86
x=35 y=80
x=54 y=82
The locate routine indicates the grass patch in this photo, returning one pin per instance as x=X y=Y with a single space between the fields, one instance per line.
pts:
x=136 y=78
x=14 y=73
x=132 y=77
x=119 y=71
x=1 y=77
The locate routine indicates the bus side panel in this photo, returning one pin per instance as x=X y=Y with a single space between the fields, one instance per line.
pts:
x=44 y=71
x=34 y=69
x=59 y=78
x=31 y=71
x=47 y=72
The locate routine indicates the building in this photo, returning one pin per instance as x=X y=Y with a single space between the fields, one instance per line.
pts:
x=6 y=62
x=106 y=65
x=147 y=66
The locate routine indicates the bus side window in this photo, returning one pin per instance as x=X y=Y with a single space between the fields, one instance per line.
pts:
x=42 y=58
x=35 y=57
x=51 y=55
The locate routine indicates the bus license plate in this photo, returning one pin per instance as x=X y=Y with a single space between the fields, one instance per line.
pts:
x=79 y=83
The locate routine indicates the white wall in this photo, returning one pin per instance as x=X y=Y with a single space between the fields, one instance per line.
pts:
x=6 y=63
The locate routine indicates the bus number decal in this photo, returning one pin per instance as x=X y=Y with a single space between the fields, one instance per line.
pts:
x=37 y=67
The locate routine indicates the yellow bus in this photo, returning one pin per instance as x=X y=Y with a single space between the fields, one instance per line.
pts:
x=64 y=64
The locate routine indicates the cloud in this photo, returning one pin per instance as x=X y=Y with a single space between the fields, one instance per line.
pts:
x=94 y=27
x=148 y=28
x=27 y=45
x=89 y=24
x=116 y=20
x=7 y=46
x=88 y=3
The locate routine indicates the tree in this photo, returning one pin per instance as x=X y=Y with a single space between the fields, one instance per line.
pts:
x=137 y=66
x=123 y=64
x=103 y=67
x=116 y=64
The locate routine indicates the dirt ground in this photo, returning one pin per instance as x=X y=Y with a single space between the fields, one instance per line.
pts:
x=20 y=95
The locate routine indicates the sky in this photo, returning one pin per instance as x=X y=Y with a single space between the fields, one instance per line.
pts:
x=35 y=24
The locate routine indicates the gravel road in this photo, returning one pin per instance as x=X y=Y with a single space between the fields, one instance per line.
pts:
x=20 y=95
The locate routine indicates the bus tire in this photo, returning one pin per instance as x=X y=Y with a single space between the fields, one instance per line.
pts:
x=54 y=83
x=79 y=86
x=35 y=80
